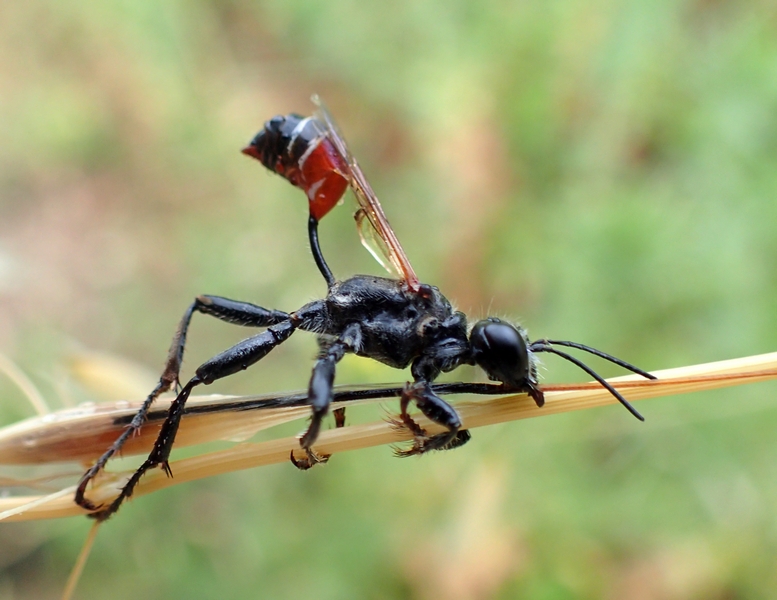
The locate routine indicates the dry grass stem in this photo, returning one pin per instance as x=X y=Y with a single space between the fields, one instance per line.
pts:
x=475 y=413
x=83 y=556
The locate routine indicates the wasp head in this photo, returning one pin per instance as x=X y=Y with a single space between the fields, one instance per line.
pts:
x=502 y=351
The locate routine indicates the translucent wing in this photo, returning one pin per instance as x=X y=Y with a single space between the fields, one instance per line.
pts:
x=374 y=229
x=372 y=242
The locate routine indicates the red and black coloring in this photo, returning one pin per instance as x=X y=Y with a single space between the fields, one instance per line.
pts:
x=298 y=149
x=397 y=321
x=311 y=153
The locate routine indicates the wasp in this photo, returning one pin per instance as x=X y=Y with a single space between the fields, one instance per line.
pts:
x=395 y=320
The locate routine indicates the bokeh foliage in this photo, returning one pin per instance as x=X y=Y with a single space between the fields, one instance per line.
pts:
x=603 y=171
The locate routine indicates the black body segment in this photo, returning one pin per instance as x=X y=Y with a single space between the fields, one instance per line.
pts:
x=281 y=144
x=239 y=313
x=244 y=354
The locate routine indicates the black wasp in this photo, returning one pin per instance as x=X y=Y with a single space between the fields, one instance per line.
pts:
x=397 y=321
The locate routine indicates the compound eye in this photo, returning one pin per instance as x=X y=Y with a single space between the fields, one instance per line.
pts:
x=500 y=349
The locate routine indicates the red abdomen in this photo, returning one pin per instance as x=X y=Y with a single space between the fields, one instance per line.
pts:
x=297 y=148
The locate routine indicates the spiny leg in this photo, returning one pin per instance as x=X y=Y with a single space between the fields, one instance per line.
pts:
x=134 y=426
x=230 y=311
x=404 y=417
x=312 y=458
x=233 y=360
x=338 y=413
x=325 y=368
x=436 y=410
x=158 y=455
x=320 y=392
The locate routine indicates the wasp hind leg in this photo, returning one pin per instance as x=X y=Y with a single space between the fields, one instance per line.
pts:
x=233 y=360
x=224 y=309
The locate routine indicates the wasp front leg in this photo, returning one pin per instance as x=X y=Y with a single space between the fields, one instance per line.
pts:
x=436 y=410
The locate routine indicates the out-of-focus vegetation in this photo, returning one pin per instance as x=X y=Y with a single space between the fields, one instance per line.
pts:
x=605 y=172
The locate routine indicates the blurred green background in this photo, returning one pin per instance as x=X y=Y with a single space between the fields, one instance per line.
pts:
x=604 y=172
